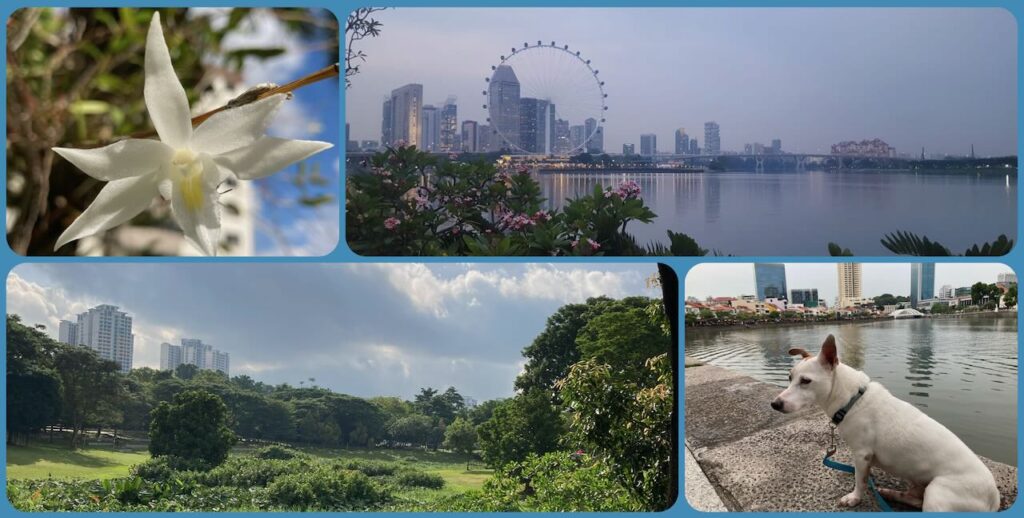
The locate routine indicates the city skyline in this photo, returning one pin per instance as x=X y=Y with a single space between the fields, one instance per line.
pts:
x=734 y=279
x=962 y=60
x=360 y=329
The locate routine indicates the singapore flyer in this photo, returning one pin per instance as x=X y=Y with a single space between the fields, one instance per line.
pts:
x=546 y=99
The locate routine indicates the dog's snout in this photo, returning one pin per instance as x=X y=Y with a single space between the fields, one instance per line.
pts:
x=777 y=404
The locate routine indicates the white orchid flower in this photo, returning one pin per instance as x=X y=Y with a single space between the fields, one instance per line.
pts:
x=185 y=166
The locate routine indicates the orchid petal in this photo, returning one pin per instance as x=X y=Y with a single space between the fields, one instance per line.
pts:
x=118 y=201
x=233 y=128
x=268 y=155
x=165 y=98
x=124 y=159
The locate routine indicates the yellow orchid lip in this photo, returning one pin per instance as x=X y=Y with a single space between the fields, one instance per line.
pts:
x=190 y=177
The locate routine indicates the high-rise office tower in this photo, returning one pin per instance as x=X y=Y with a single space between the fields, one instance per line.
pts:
x=406 y=108
x=561 y=134
x=450 y=126
x=386 y=130
x=470 y=138
x=430 y=130
x=628 y=149
x=503 y=102
x=485 y=138
x=648 y=144
x=806 y=296
x=922 y=282
x=104 y=329
x=849 y=283
x=682 y=142
x=534 y=120
x=776 y=146
x=694 y=148
x=770 y=280
x=577 y=137
x=712 y=140
x=595 y=144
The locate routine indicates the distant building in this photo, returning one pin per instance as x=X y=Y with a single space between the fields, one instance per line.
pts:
x=406 y=107
x=694 y=148
x=649 y=144
x=776 y=146
x=808 y=297
x=712 y=139
x=485 y=139
x=595 y=137
x=577 y=135
x=849 y=284
x=1006 y=279
x=922 y=282
x=350 y=145
x=104 y=329
x=470 y=137
x=770 y=280
x=562 y=143
x=450 y=126
x=533 y=124
x=386 y=128
x=369 y=145
x=682 y=142
x=962 y=292
x=628 y=149
x=194 y=352
x=503 y=99
x=430 y=131
x=865 y=148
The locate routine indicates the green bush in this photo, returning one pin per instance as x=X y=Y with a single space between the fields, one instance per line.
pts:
x=276 y=452
x=368 y=468
x=415 y=478
x=193 y=426
x=246 y=472
x=166 y=467
x=326 y=490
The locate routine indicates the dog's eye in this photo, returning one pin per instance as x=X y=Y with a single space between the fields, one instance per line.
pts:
x=804 y=381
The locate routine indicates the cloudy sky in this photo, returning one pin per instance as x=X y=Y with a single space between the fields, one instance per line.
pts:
x=938 y=78
x=730 y=280
x=361 y=329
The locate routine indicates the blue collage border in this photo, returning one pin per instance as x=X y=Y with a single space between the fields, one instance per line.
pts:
x=682 y=265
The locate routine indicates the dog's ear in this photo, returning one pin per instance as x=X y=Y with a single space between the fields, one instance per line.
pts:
x=828 y=355
x=802 y=352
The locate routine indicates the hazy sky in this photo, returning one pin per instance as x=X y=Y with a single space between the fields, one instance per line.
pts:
x=730 y=280
x=366 y=330
x=938 y=78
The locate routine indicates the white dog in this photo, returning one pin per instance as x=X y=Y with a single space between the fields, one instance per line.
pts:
x=881 y=430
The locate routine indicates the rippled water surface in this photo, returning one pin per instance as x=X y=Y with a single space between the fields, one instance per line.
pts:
x=743 y=213
x=961 y=372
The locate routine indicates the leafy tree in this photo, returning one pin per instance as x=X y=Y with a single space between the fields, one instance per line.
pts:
x=33 y=386
x=91 y=385
x=460 y=437
x=624 y=336
x=1010 y=297
x=439 y=405
x=413 y=429
x=483 y=411
x=527 y=423
x=186 y=371
x=194 y=427
x=552 y=352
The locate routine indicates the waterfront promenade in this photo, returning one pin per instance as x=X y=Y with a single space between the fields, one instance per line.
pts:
x=748 y=457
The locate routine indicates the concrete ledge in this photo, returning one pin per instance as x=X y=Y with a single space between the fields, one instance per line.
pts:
x=757 y=459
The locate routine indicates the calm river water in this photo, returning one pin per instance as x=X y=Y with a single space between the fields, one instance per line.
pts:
x=799 y=213
x=960 y=371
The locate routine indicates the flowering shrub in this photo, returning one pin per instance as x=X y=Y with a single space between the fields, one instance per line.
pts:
x=411 y=203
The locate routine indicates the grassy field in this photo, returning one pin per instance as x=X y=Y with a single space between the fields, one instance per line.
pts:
x=43 y=460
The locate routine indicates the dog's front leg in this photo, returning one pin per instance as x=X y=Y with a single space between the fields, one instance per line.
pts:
x=862 y=470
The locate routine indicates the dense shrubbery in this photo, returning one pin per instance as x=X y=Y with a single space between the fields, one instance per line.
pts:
x=277 y=452
x=411 y=203
x=327 y=490
x=414 y=478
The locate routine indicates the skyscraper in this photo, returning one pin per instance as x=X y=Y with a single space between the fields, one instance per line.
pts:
x=386 y=130
x=194 y=352
x=503 y=100
x=922 y=282
x=628 y=149
x=430 y=131
x=406 y=105
x=712 y=142
x=595 y=136
x=806 y=296
x=561 y=134
x=485 y=138
x=694 y=148
x=104 y=329
x=576 y=138
x=682 y=142
x=470 y=139
x=534 y=119
x=776 y=146
x=770 y=279
x=849 y=284
x=450 y=126
x=648 y=144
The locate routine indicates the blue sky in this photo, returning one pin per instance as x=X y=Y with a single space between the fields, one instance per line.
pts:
x=361 y=329
x=938 y=78
x=734 y=279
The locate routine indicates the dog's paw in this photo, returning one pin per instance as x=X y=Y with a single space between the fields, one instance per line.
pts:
x=850 y=500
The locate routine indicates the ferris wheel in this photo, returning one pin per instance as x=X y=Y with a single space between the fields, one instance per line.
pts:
x=545 y=99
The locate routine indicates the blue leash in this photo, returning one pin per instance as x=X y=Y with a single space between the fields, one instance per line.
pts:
x=846 y=468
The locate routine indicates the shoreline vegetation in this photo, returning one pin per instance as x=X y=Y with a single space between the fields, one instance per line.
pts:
x=587 y=429
x=766 y=323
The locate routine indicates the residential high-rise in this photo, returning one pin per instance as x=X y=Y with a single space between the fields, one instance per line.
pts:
x=770 y=280
x=1006 y=278
x=849 y=284
x=682 y=142
x=470 y=139
x=104 y=329
x=194 y=352
x=806 y=296
x=628 y=149
x=648 y=144
x=503 y=100
x=561 y=134
x=577 y=135
x=712 y=140
x=386 y=128
x=406 y=108
x=430 y=129
x=922 y=282
x=694 y=148
x=533 y=124
x=450 y=126
x=595 y=137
